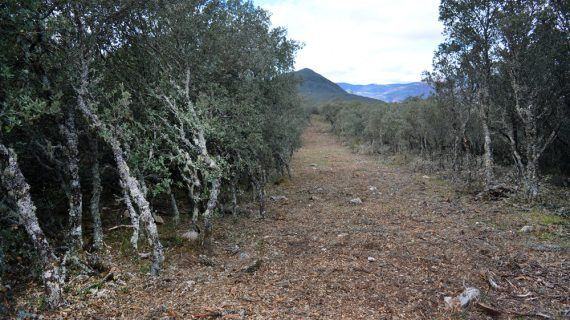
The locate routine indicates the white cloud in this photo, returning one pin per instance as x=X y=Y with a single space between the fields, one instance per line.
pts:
x=361 y=41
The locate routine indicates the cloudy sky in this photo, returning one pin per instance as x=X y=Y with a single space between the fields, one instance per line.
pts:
x=361 y=41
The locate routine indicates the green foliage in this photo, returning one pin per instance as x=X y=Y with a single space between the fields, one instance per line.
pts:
x=414 y=125
x=163 y=78
x=243 y=96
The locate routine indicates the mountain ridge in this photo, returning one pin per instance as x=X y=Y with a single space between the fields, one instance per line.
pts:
x=317 y=89
x=395 y=92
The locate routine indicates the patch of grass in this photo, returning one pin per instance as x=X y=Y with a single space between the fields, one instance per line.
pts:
x=173 y=241
x=551 y=219
x=144 y=268
x=541 y=217
x=42 y=303
x=551 y=227
x=548 y=236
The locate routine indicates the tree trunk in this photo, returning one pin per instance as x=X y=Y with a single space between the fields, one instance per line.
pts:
x=194 y=201
x=133 y=186
x=488 y=155
x=96 y=196
x=261 y=198
x=174 y=206
x=511 y=136
x=535 y=146
x=135 y=222
x=18 y=189
x=259 y=189
x=189 y=175
x=128 y=181
x=199 y=143
x=456 y=145
x=288 y=168
x=212 y=202
x=69 y=133
x=531 y=177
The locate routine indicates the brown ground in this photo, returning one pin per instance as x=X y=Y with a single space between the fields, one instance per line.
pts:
x=427 y=241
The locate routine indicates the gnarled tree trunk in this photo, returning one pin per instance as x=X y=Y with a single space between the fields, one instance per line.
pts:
x=212 y=202
x=194 y=203
x=18 y=189
x=96 y=196
x=534 y=144
x=69 y=132
x=487 y=155
x=174 y=206
x=134 y=216
x=190 y=177
x=128 y=181
x=133 y=186
x=136 y=194
x=259 y=190
x=198 y=143
x=511 y=139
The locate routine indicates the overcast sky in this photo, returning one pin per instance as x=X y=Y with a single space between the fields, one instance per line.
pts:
x=361 y=41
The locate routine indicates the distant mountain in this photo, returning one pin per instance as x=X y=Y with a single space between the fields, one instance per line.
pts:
x=318 y=89
x=389 y=92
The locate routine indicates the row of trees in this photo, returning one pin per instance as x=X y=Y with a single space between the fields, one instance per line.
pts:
x=502 y=92
x=190 y=97
x=507 y=62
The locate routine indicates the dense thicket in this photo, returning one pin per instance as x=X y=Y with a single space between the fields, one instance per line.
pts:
x=144 y=100
x=501 y=81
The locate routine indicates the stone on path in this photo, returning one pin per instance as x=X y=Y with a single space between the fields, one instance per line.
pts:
x=356 y=201
x=464 y=299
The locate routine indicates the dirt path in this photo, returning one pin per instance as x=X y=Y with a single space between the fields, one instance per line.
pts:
x=314 y=247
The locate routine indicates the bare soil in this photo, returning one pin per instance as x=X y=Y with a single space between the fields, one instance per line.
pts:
x=309 y=258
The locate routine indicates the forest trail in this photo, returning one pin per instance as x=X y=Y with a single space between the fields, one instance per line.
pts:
x=309 y=259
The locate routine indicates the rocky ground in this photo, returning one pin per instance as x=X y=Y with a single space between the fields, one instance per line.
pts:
x=346 y=238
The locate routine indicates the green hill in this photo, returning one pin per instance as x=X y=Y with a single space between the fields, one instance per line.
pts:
x=314 y=88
